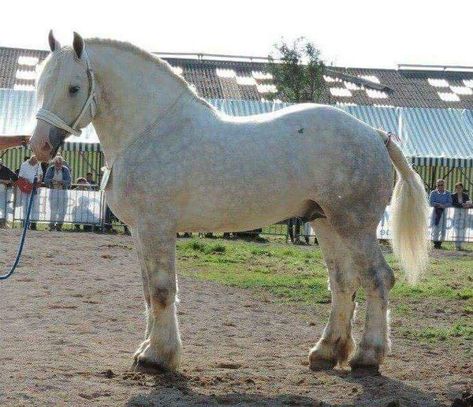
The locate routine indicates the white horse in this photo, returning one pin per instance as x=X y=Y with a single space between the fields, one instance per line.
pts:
x=180 y=165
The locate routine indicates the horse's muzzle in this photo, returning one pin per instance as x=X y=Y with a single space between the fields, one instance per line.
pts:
x=56 y=139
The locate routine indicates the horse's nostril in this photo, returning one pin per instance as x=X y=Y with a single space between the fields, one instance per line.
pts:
x=46 y=147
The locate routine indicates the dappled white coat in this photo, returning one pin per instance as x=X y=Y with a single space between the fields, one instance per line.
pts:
x=179 y=165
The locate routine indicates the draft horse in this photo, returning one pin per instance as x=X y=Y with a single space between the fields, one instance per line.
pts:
x=177 y=164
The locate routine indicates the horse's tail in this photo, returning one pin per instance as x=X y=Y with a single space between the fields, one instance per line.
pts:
x=409 y=215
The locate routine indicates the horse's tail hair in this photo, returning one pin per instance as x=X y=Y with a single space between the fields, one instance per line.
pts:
x=409 y=215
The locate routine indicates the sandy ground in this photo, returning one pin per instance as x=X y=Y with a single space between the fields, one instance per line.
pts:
x=72 y=316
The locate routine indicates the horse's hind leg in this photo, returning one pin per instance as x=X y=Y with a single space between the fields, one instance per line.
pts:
x=336 y=342
x=377 y=279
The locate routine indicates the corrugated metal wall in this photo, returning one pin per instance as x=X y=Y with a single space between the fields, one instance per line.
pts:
x=436 y=139
x=451 y=176
x=429 y=136
x=80 y=162
x=442 y=137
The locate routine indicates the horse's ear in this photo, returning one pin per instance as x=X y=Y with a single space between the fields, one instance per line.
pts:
x=53 y=43
x=78 y=44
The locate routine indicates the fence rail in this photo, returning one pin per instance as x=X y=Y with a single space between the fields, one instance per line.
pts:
x=74 y=206
x=87 y=207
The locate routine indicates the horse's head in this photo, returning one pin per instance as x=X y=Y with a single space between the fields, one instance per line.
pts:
x=65 y=95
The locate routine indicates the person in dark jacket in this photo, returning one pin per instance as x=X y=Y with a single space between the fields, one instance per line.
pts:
x=440 y=199
x=461 y=202
x=7 y=176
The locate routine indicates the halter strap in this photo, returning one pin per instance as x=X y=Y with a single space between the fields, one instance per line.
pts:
x=91 y=102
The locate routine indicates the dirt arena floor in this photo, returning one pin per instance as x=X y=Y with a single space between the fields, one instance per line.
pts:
x=72 y=317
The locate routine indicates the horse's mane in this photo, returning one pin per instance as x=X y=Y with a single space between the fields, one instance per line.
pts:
x=160 y=64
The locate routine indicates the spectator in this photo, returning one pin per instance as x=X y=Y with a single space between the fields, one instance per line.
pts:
x=26 y=158
x=7 y=176
x=58 y=175
x=90 y=179
x=439 y=199
x=82 y=185
x=307 y=232
x=294 y=230
x=29 y=170
x=58 y=178
x=461 y=202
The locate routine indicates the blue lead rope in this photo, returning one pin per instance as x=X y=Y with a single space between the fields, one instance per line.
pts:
x=23 y=235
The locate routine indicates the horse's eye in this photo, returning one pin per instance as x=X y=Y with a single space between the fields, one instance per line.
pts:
x=73 y=89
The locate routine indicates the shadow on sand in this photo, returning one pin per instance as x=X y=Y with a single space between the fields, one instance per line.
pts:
x=171 y=389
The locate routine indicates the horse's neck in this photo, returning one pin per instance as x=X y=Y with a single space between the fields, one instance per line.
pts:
x=133 y=93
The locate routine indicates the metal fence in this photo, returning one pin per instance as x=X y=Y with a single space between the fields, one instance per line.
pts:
x=53 y=206
x=3 y=203
x=82 y=161
x=88 y=207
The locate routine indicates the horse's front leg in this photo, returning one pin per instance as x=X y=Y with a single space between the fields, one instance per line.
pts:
x=146 y=294
x=162 y=347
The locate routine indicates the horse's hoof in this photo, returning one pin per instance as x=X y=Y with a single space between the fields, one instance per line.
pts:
x=318 y=363
x=366 y=363
x=140 y=349
x=148 y=367
x=148 y=361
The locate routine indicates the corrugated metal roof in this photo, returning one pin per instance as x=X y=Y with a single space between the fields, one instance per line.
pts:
x=17 y=110
x=429 y=136
x=425 y=133
x=407 y=87
x=246 y=107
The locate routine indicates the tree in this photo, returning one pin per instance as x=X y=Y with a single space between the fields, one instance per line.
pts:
x=297 y=71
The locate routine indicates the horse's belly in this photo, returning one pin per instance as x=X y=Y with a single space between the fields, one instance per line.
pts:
x=235 y=213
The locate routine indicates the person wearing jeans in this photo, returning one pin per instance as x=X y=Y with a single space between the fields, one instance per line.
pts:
x=461 y=202
x=58 y=178
x=439 y=199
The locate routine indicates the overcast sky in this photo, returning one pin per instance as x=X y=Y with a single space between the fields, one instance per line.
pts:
x=364 y=33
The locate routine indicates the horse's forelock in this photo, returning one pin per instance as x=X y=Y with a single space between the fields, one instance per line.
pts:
x=65 y=55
